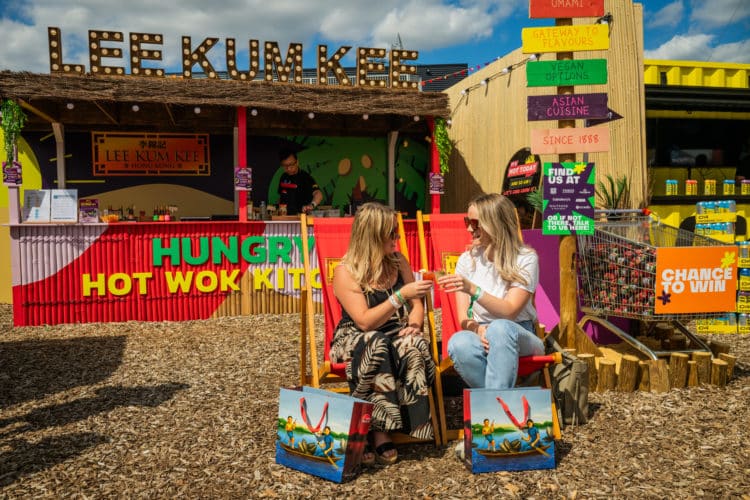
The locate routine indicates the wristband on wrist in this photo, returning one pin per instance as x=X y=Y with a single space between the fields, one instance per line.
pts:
x=394 y=302
x=400 y=297
x=477 y=295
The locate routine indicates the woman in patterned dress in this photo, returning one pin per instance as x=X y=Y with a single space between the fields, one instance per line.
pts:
x=380 y=335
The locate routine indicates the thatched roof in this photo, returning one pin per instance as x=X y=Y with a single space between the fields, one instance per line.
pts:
x=171 y=102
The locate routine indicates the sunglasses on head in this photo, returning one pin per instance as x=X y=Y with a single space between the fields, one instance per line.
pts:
x=471 y=223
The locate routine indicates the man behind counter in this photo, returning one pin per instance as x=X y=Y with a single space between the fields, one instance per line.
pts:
x=297 y=189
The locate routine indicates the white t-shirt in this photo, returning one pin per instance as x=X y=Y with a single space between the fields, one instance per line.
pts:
x=482 y=273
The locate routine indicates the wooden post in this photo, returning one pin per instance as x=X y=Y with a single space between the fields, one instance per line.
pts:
x=570 y=350
x=719 y=372
x=731 y=360
x=678 y=369
x=678 y=341
x=692 y=374
x=658 y=375
x=607 y=376
x=590 y=360
x=703 y=360
x=628 y=377
x=718 y=348
x=568 y=299
x=644 y=383
x=662 y=330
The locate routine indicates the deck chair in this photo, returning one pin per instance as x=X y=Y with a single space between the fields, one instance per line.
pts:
x=331 y=242
x=449 y=239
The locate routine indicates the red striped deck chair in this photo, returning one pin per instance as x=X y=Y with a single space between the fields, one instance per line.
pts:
x=449 y=239
x=331 y=242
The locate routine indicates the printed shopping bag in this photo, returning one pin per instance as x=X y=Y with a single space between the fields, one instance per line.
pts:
x=508 y=429
x=321 y=432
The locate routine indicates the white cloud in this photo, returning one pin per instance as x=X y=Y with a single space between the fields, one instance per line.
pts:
x=422 y=24
x=699 y=48
x=717 y=13
x=738 y=52
x=669 y=16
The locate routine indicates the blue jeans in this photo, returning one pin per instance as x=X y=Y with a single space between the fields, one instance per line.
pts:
x=498 y=368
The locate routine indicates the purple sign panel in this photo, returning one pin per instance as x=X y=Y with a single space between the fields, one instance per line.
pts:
x=567 y=106
x=12 y=174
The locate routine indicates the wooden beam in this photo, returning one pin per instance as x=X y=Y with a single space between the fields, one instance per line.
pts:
x=106 y=113
x=59 y=132
x=36 y=111
x=169 y=113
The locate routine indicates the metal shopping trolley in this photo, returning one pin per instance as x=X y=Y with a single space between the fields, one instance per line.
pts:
x=617 y=271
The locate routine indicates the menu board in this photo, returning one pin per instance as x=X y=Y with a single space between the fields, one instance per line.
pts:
x=64 y=205
x=36 y=205
x=50 y=205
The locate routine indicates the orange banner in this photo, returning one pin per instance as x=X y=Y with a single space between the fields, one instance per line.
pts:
x=696 y=280
x=124 y=153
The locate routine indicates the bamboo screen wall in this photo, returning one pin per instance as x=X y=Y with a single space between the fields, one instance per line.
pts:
x=489 y=124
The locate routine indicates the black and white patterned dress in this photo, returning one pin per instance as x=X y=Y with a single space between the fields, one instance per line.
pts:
x=394 y=373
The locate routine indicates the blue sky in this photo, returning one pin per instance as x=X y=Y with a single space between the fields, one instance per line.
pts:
x=474 y=32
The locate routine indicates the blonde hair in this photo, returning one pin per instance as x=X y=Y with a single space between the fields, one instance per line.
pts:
x=366 y=258
x=499 y=221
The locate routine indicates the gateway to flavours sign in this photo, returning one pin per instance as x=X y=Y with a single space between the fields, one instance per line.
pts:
x=146 y=47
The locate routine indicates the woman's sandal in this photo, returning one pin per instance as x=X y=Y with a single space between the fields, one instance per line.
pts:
x=368 y=456
x=381 y=450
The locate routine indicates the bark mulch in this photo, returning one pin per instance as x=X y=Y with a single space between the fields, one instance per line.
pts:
x=161 y=410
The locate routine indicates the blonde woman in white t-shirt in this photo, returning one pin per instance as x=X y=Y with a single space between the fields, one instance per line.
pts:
x=494 y=283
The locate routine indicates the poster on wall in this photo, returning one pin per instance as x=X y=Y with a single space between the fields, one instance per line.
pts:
x=523 y=174
x=12 y=173
x=437 y=183
x=569 y=198
x=243 y=179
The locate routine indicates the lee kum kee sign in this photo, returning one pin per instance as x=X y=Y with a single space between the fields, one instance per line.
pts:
x=124 y=153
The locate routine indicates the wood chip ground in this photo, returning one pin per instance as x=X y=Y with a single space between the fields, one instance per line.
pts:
x=187 y=410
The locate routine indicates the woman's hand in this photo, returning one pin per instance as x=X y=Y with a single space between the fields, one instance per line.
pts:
x=453 y=283
x=482 y=331
x=416 y=289
x=410 y=330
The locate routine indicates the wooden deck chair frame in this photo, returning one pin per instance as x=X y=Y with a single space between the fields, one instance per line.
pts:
x=527 y=364
x=329 y=373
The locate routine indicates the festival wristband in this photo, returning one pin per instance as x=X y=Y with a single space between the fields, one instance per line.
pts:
x=394 y=302
x=400 y=297
x=477 y=295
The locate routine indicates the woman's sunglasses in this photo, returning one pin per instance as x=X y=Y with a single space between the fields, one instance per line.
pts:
x=395 y=235
x=471 y=223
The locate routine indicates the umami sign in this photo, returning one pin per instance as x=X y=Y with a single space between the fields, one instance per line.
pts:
x=565 y=8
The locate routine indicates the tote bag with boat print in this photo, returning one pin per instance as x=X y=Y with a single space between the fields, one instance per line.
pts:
x=508 y=429
x=321 y=432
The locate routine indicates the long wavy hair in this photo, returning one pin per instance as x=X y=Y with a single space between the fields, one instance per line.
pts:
x=366 y=258
x=499 y=221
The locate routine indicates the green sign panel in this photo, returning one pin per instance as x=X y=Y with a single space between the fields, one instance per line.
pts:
x=563 y=73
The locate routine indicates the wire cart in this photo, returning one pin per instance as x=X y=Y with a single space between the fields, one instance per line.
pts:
x=617 y=271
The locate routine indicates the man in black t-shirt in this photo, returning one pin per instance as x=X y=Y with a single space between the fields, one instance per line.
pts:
x=297 y=189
